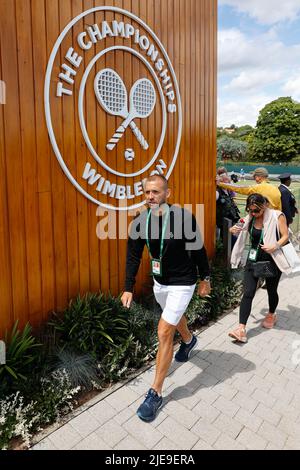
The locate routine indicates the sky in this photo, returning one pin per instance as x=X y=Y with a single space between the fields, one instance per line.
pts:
x=259 y=57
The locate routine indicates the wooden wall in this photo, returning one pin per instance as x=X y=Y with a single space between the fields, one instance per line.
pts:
x=49 y=251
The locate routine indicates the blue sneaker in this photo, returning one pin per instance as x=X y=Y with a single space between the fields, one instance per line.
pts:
x=150 y=406
x=185 y=350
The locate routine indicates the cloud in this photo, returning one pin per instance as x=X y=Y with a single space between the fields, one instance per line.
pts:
x=267 y=11
x=253 y=80
x=238 y=51
x=292 y=87
x=234 y=50
x=241 y=110
x=259 y=64
x=254 y=70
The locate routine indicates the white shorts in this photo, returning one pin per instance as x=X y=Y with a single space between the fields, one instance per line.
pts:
x=173 y=300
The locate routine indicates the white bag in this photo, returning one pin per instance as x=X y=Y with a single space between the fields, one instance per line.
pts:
x=291 y=256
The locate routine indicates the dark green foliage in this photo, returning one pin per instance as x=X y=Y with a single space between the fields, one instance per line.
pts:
x=233 y=149
x=94 y=341
x=277 y=134
x=22 y=351
x=90 y=325
x=140 y=345
x=81 y=369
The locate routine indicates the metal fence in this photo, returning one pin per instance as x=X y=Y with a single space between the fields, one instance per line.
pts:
x=272 y=169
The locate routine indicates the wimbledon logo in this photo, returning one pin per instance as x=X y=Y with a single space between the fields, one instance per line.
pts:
x=112 y=105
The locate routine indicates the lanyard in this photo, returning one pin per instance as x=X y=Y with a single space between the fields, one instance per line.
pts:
x=261 y=235
x=162 y=234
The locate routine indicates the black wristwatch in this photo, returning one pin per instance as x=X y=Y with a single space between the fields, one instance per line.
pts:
x=206 y=279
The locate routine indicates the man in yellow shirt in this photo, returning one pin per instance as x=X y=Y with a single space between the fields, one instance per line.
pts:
x=262 y=187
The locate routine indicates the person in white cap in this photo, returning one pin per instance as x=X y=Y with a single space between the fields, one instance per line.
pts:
x=262 y=187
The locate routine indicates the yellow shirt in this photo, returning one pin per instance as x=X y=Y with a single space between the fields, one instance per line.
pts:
x=265 y=189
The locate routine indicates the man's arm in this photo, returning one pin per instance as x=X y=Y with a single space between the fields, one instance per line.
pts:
x=239 y=189
x=134 y=255
x=199 y=256
x=286 y=206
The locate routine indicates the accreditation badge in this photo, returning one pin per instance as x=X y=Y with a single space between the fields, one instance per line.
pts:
x=156 y=268
x=253 y=254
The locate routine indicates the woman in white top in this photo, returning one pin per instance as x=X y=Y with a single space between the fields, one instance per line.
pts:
x=268 y=231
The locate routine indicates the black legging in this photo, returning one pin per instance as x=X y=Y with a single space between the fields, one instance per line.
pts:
x=250 y=285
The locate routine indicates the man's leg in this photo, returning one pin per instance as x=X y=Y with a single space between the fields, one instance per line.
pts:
x=165 y=353
x=183 y=330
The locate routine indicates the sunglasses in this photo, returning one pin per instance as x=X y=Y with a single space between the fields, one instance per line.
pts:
x=254 y=211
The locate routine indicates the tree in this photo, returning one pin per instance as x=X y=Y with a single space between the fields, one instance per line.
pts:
x=232 y=149
x=243 y=133
x=276 y=137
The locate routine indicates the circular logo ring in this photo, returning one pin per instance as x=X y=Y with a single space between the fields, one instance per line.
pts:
x=47 y=100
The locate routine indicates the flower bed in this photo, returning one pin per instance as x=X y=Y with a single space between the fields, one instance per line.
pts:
x=92 y=344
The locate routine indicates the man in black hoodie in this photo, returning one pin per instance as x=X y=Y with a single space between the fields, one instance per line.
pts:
x=176 y=251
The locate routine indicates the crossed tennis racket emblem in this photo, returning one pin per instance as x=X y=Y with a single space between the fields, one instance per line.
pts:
x=112 y=95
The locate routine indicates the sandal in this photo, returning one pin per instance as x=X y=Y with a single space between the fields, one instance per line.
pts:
x=239 y=335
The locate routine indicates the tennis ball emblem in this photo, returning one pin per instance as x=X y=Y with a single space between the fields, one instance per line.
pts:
x=129 y=155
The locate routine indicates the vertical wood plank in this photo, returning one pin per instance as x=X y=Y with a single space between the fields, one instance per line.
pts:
x=44 y=182
x=83 y=221
x=58 y=178
x=13 y=156
x=5 y=264
x=68 y=128
x=29 y=158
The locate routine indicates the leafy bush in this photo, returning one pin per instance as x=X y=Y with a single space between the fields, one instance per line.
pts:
x=20 y=417
x=16 y=419
x=198 y=311
x=226 y=293
x=276 y=137
x=231 y=148
x=55 y=397
x=137 y=348
x=21 y=352
x=96 y=341
x=81 y=369
x=89 y=325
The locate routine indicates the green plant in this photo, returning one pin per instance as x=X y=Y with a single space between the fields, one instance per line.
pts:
x=17 y=419
x=234 y=149
x=227 y=291
x=82 y=369
x=89 y=325
x=21 y=352
x=276 y=137
x=52 y=397
x=139 y=346
x=120 y=341
x=198 y=311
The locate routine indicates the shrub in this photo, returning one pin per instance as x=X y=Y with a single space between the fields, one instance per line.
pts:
x=137 y=348
x=20 y=417
x=55 y=397
x=21 y=352
x=81 y=369
x=96 y=341
x=89 y=325
x=16 y=419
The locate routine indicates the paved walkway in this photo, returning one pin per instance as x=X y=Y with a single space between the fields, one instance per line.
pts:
x=228 y=396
